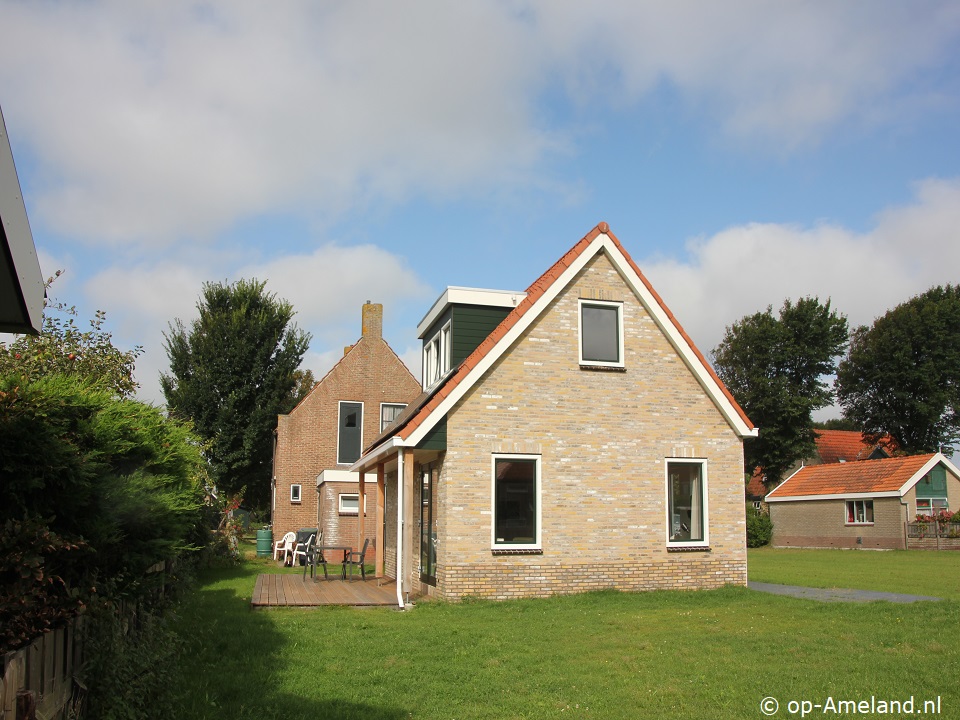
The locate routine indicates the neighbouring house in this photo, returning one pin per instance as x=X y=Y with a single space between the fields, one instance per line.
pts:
x=832 y=446
x=323 y=435
x=570 y=438
x=864 y=504
x=21 y=282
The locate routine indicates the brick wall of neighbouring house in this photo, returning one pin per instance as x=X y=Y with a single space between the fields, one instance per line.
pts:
x=822 y=523
x=603 y=438
x=371 y=373
x=342 y=528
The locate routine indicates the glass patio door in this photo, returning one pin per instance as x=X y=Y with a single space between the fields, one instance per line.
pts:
x=428 y=524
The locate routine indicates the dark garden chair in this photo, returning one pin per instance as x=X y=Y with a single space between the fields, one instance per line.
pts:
x=356 y=559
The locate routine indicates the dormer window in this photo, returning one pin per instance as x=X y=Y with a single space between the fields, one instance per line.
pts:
x=436 y=357
x=601 y=333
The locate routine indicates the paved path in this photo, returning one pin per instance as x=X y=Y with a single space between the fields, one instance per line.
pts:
x=835 y=594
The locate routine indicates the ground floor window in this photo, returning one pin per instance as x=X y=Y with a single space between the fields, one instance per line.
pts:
x=516 y=501
x=859 y=512
x=349 y=504
x=686 y=502
x=931 y=506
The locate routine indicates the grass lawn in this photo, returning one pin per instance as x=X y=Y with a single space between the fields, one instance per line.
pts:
x=915 y=572
x=712 y=654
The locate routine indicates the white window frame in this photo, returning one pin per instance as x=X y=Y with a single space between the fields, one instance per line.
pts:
x=705 y=498
x=363 y=411
x=389 y=404
x=934 y=511
x=863 y=502
x=350 y=511
x=436 y=356
x=620 y=350
x=296 y=493
x=538 y=541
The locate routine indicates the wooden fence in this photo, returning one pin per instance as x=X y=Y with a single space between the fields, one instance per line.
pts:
x=38 y=680
x=932 y=535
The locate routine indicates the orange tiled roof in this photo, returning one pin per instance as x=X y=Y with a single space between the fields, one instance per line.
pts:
x=843 y=446
x=534 y=293
x=867 y=476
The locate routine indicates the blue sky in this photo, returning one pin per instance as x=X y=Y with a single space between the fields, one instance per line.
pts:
x=743 y=152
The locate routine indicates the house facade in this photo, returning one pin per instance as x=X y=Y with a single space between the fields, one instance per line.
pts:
x=323 y=435
x=865 y=504
x=584 y=443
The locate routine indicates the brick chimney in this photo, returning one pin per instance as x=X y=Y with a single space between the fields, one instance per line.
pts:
x=372 y=326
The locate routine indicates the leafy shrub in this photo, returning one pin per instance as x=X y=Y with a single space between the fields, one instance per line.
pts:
x=759 y=527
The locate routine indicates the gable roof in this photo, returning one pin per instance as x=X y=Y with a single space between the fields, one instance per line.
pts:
x=887 y=477
x=836 y=446
x=410 y=430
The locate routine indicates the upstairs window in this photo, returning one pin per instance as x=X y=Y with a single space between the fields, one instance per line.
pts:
x=295 y=493
x=436 y=357
x=601 y=333
x=388 y=413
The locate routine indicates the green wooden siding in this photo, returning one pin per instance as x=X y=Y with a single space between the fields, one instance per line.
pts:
x=471 y=325
x=934 y=485
x=436 y=439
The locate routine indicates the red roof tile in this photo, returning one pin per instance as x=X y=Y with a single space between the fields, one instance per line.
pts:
x=843 y=446
x=868 y=476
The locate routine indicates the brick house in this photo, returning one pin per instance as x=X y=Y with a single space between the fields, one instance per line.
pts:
x=832 y=446
x=863 y=504
x=318 y=440
x=570 y=438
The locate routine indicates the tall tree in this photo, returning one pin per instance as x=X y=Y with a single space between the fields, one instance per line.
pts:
x=776 y=369
x=231 y=373
x=901 y=376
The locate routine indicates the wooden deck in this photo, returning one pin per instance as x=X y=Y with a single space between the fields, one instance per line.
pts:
x=295 y=591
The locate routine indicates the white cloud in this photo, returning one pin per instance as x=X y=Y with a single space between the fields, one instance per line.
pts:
x=155 y=122
x=325 y=287
x=742 y=270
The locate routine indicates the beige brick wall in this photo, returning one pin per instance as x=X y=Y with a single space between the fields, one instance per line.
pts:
x=307 y=438
x=603 y=438
x=822 y=523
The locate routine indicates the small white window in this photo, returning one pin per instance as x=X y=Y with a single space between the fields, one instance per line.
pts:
x=436 y=357
x=388 y=413
x=601 y=333
x=295 y=493
x=349 y=504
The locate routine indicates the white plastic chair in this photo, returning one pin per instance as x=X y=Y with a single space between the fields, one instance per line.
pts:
x=303 y=548
x=284 y=545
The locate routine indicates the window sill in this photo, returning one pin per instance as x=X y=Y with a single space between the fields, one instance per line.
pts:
x=868 y=524
x=603 y=368
x=516 y=551
x=689 y=548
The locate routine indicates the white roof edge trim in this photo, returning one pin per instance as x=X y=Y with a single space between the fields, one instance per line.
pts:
x=619 y=261
x=468 y=296
x=937 y=459
x=366 y=461
x=837 y=496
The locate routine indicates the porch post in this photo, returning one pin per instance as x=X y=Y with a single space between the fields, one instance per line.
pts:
x=408 y=520
x=381 y=494
x=361 y=508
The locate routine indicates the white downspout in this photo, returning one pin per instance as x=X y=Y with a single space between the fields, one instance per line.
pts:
x=400 y=482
